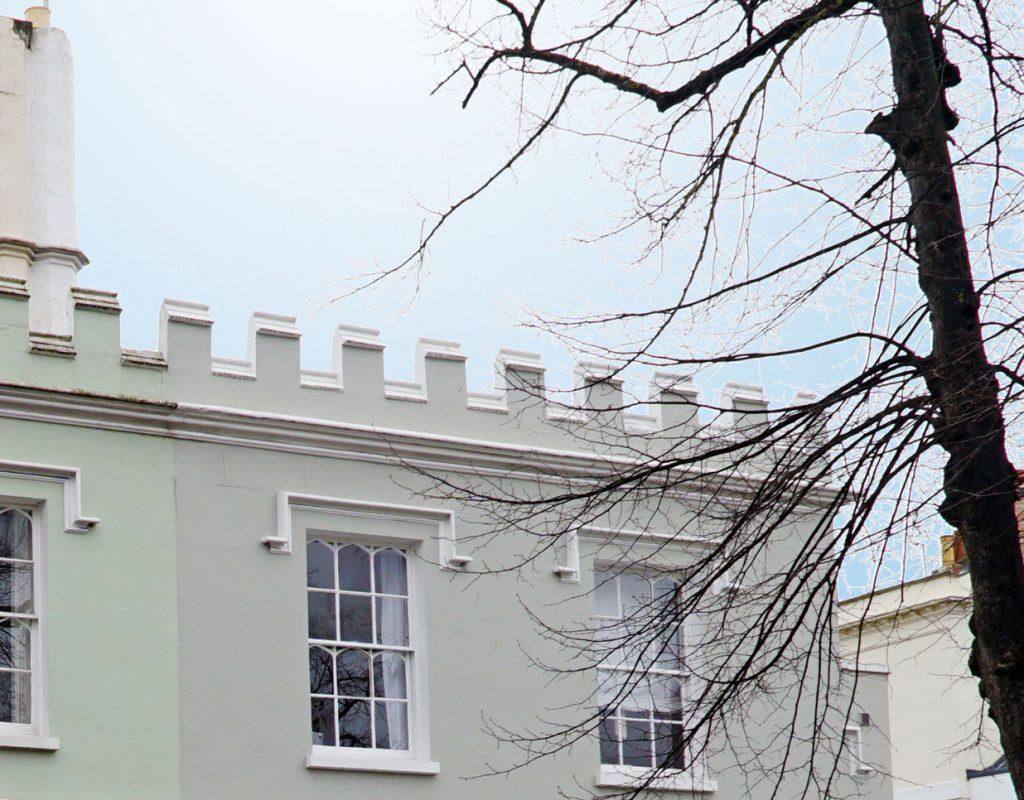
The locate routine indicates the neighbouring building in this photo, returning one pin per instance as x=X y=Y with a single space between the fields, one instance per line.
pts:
x=944 y=745
x=220 y=578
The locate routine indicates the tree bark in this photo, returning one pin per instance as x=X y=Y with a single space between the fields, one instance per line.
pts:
x=979 y=480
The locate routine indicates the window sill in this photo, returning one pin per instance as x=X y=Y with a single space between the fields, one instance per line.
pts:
x=42 y=744
x=319 y=759
x=611 y=776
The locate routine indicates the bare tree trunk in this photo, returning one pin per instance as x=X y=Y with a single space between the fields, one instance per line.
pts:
x=979 y=481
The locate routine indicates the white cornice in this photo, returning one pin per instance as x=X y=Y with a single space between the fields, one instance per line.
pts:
x=269 y=431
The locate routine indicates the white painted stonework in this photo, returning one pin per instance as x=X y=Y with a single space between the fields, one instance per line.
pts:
x=38 y=214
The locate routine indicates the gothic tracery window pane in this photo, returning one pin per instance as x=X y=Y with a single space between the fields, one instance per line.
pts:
x=359 y=645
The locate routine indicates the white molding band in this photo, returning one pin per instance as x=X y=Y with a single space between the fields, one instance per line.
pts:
x=329 y=439
x=282 y=542
x=40 y=744
x=70 y=478
x=321 y=758
x=667 y=780
x=860 y=667
x=947 y=790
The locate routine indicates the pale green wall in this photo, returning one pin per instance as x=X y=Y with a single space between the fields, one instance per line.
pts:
x=111 y=620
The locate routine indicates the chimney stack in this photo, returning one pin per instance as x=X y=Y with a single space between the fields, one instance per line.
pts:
x=38 y=217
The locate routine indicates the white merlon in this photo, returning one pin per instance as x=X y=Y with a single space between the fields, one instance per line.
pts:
x=186 y=311
x=96 y=300
x=674 y=398
x=746 y=402
x=52 y=212
x=272 y=325
x=520 y=361
x=357 y=336
x=744 y=398
x=439 y=348
x=589 y=372
x=673 y=383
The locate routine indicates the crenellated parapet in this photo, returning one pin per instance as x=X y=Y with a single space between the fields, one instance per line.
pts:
x=88 y=360
x=520 y=409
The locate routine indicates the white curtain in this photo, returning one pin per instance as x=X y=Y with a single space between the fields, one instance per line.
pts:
x=393 y=619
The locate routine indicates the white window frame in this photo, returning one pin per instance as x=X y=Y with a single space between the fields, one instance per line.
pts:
x=35 y=735
x=694 y=779
x=350 y=522
x=854 y=754
x=680 y=674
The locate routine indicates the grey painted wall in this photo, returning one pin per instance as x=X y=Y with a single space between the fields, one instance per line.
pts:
x=244 y=703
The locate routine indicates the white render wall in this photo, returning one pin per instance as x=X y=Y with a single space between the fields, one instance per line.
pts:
x=52 y=212
x=939 y=730
x=38 y=214
x=13 y=131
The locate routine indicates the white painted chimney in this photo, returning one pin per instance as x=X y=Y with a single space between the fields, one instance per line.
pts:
x=38 y=216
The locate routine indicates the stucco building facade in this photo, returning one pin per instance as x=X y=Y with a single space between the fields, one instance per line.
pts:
x=944 y=744
x=224 y=578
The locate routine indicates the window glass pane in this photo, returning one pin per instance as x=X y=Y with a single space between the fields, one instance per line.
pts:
x=664 y=591
x=636 y=744
x=16 y=697
x=668 y=648
x=354 y=673
x=668 y=745
x=354 y=617
x=392 y=726
x=321 y=672
x=15 y=645
x=15 y=535
x=15 y=587
x=354 y=723
x=609 y=688
x=667 y=696
x=389 y=572
x=606 y=598
x=389 y=676
x=320 y=606
x=392 y=621
x=609 y=741
x=636 y=594
x=319 y=565
x=353 y=569
x=638 y=702
x=323 y=722
x=613 y=639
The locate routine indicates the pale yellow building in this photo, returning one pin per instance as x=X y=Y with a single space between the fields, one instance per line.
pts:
x=944 y=747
